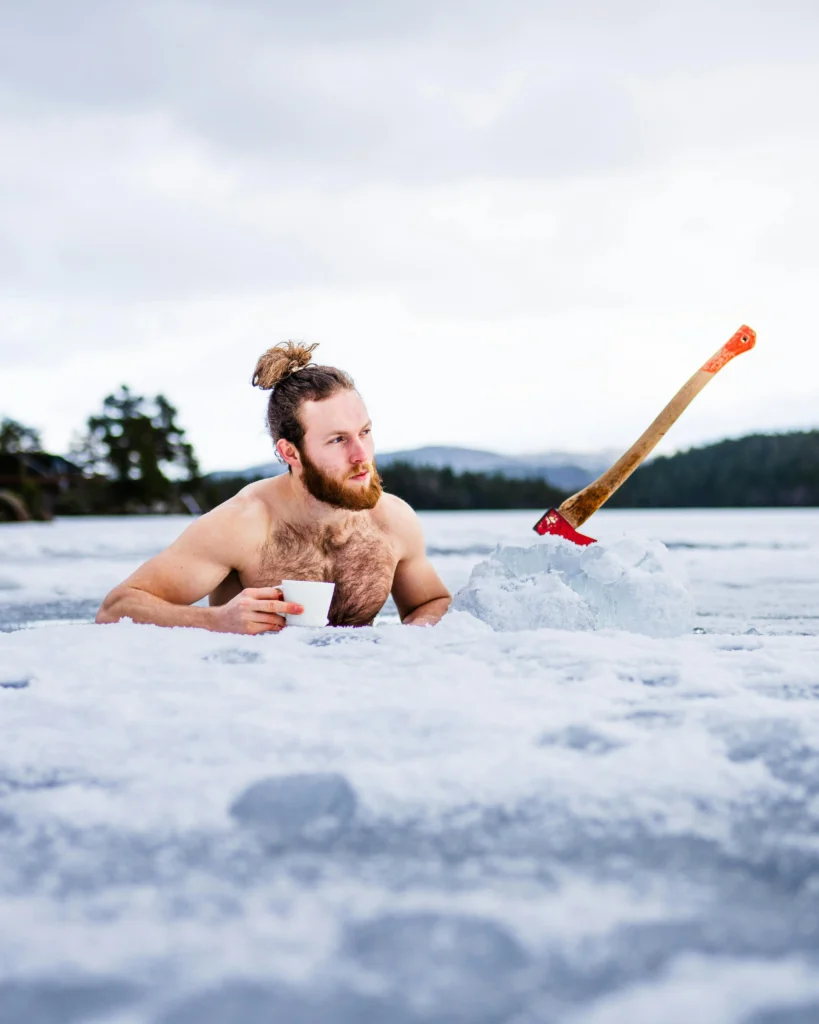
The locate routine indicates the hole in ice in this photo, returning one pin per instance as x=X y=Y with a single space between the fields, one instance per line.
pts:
x=14 y=684
x=26 y=615
x=288 y=809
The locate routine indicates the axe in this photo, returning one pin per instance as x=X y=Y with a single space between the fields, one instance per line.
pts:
x=563 y=521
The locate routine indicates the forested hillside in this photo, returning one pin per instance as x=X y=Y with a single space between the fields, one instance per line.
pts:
x=428 y=488
x=760 y=470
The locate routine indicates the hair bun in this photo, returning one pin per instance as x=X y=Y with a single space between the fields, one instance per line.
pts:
x=280 y=361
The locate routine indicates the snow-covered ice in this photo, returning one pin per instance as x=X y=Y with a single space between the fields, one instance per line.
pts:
x=472 y=823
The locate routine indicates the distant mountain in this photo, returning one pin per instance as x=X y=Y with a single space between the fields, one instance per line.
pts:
x=263 y=469
x=565 y=470
x=568 y=471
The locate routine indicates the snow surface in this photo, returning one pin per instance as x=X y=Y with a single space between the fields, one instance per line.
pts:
x=470 y=823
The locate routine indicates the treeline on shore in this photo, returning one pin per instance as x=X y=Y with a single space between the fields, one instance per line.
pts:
x=430 y=489
x=132 y=456
x=757 y=471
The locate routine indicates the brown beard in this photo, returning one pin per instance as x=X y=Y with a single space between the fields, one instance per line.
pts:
x=337 y=492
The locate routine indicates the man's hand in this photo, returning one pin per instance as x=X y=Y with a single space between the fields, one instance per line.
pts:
x=255 y=610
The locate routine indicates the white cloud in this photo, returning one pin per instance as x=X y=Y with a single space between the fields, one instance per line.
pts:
x=518 y=226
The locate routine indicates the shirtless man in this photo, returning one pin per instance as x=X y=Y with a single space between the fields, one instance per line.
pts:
x=325 y=519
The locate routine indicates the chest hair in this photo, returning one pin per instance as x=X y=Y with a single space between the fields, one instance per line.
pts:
x=359 y=558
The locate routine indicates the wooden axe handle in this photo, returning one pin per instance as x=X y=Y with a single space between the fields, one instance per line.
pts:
x=580 y=506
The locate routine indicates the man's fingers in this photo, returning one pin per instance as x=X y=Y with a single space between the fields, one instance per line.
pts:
x=264 y=593
x=279 y=607
x=264 y=627
x=269 y=599
x=261 y=622
x=262 y=616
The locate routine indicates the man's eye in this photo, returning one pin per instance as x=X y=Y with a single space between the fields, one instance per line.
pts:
x=335 y=439
x=367 y=430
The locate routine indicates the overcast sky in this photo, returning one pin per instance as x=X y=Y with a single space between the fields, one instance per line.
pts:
x=519 y=225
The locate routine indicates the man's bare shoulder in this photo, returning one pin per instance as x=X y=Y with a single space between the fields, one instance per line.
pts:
x=397 y=518
x=393 y=510
x=261 y=501
x=244 y=521
x=234 y=533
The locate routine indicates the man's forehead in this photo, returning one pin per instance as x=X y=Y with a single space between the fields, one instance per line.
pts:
x=345 y=409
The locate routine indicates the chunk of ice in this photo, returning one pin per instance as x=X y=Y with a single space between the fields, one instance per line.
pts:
x=624 y=585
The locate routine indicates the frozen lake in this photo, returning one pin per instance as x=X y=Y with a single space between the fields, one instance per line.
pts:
x=746 y=569
x=396 y=826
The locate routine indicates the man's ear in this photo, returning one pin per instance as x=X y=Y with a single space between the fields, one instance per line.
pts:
x=288 y=452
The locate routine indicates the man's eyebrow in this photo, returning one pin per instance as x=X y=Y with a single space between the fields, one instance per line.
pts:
x=335 y=433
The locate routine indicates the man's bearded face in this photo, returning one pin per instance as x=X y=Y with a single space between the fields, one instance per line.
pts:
x=343 y=491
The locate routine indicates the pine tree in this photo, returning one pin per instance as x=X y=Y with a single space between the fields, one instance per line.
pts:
x=136 y=443
x=16 y=438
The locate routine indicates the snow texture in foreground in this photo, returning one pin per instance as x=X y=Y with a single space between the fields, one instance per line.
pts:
x=458 y=825
x=623 y=585
x=407 y=826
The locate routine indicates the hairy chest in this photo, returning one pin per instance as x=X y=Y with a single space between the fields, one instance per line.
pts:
x=361 y=563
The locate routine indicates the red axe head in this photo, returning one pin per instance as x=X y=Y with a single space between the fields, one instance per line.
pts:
x=555 y=524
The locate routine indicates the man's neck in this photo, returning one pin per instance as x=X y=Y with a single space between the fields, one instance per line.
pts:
x=309 y=511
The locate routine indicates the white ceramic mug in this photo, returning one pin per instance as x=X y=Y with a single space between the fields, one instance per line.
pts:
x=314 y=597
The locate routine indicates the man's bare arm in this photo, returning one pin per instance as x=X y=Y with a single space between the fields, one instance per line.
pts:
x=418 y=591
x=163 y=590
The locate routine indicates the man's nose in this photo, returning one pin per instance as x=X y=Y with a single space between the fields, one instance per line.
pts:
x=358 y=453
